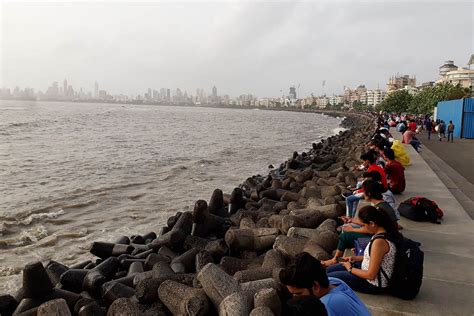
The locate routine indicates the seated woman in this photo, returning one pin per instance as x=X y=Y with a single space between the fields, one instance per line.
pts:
x=352 y=201
x=371 y=272
x=372 y=193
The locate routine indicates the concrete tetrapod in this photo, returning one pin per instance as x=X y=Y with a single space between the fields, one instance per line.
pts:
x=56 y=307
x=100 y=274
x=36 y=282
x=261 y=311
x=309 y=219
x=182 y=299
x=241 y=302
x=272 y=260
x=216 y=283
x=251 y=239
x=269 y=298
x=129 y=307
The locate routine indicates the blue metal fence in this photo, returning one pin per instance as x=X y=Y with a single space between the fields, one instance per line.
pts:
x=451 y=111
x=468 y=118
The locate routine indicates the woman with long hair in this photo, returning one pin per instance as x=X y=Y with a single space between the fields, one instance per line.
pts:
x=371 y=272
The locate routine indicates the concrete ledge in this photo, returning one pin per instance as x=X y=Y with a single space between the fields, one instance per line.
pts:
x=448 y=282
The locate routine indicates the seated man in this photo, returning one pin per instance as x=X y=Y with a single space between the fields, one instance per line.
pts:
x=304 y=305
x=305 y=276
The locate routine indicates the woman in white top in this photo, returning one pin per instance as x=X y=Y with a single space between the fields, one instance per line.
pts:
x=371 y=272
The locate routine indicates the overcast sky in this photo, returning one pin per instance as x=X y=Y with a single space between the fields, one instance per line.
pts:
x=240 y=47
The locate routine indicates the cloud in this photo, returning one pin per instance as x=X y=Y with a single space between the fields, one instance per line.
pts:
x=241 y=47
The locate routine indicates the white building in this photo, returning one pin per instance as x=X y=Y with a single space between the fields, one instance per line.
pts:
x=375 y=97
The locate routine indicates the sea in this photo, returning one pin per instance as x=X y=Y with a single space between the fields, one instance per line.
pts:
x=73 y=173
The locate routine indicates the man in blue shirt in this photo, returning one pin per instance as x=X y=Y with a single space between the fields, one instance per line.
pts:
x=305 y=276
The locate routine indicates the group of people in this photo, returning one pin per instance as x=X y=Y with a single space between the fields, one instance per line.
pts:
x=327 y=287
x=411 y=126
x=439 y=126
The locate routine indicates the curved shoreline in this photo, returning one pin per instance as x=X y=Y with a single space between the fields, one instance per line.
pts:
x=262 y=207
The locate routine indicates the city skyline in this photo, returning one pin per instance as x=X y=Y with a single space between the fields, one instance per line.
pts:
x=259 y=48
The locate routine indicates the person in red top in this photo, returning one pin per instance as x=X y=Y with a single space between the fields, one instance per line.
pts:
x=395 y=172
x=369 y=159
x=412 y=126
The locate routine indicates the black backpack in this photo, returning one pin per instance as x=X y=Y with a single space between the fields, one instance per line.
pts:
x=407 y=275
x=421 y=209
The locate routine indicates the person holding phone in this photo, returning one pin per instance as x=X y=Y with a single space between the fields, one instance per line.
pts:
x=371 y=272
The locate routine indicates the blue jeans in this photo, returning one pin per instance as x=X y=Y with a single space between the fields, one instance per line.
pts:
x=450 y=134
x=354 y=282
x=352 y=202
x=415 y=143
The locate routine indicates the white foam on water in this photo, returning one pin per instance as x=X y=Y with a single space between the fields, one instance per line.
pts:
x=6 y=271
x=26 y=237
x=337 y=130
x=39 y=216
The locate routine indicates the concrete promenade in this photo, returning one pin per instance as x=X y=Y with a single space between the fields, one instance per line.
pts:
x=453 y=163
x=448 y=282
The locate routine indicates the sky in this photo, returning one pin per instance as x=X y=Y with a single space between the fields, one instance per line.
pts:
x=241 y=47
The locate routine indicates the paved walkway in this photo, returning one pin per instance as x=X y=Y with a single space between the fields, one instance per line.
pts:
x=459 y=154
x=452 y=162
x=448 y=283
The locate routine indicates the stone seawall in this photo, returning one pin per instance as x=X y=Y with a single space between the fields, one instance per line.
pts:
x=222 y=258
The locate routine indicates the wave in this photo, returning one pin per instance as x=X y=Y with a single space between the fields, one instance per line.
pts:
x=29 y=236
x=339 y=129
x=9 y=270
x=29 y=219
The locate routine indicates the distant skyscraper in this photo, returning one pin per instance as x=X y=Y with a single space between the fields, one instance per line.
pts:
x=96 y=90
x=292 y=93
x=65 y=87
x=55 y=88
x=168 y=94
x=214 y=92
x=149 y=93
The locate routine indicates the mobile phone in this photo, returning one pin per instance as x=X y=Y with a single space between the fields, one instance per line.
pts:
x=340 y=259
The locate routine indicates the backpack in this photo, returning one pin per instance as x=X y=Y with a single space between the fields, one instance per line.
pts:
x=421 y=209
x=407 y=276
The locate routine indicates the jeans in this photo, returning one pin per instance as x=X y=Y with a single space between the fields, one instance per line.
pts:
x=429 y=133
x=450 y=134
x=415 y=143
x=352 y=201
x=354 y=282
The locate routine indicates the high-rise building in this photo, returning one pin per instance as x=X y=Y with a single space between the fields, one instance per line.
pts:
x=96 y=90
x=168 y=94
x=65 y=87
x=292 y=92
x=214 y=92
x=70 y=91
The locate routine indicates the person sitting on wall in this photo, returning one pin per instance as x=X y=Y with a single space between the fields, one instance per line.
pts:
x=304 y=305
x=410 y=138
x=373 y=191
x=395 y=172
x=305 y=276
x=371 y=272
x=370 y=163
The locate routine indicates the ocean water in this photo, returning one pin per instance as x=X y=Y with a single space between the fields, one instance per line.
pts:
x=73 y=173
